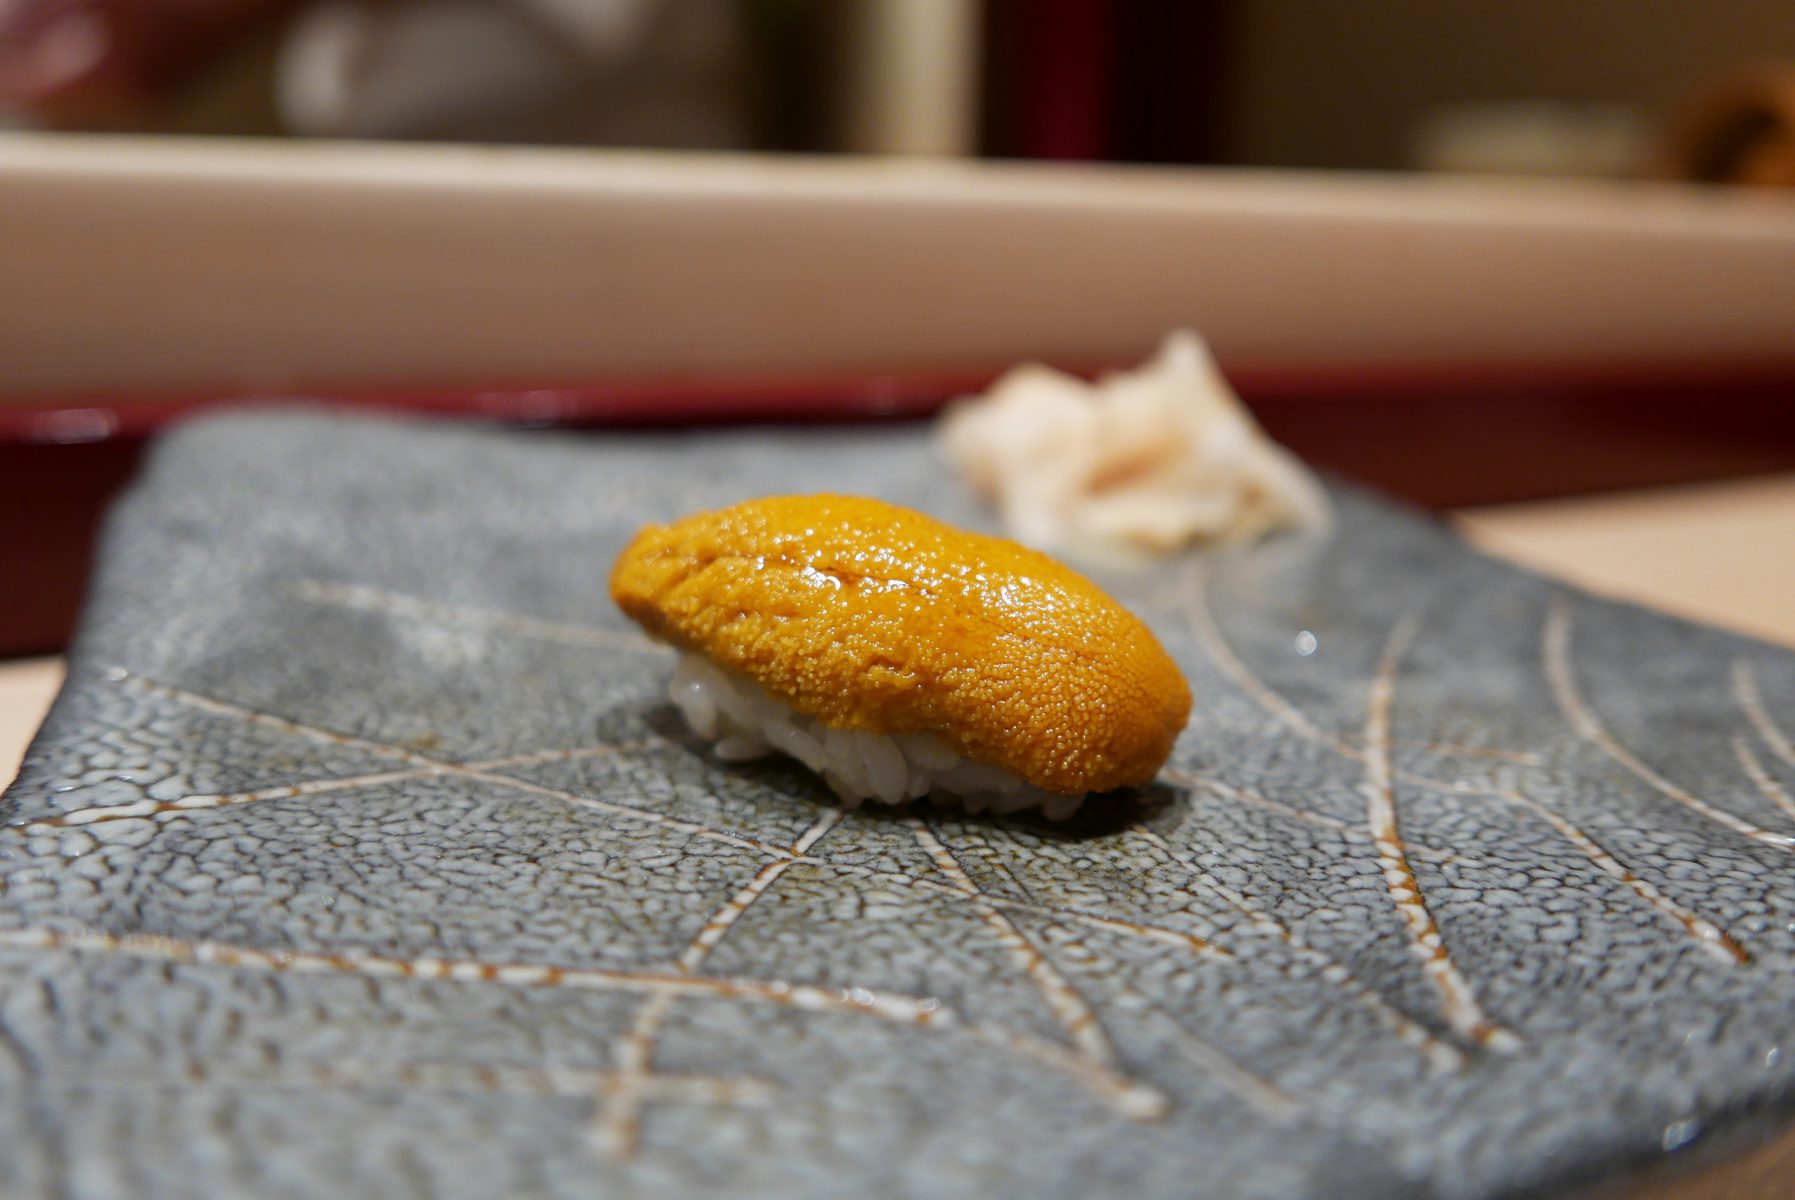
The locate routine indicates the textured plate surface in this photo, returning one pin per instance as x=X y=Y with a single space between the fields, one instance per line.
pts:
x=361 y=856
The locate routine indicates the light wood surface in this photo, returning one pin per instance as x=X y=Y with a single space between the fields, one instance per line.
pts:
x=27 y=685
x=260 y=264
x=1720 y=553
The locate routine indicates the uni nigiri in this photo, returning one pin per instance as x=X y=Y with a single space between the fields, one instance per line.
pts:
x=898 y=656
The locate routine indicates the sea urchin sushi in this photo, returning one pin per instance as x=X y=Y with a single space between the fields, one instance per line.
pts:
x=897 y=656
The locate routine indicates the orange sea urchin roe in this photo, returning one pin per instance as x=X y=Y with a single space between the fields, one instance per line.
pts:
x=869 y=616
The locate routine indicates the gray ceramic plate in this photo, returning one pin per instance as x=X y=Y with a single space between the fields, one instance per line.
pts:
x=362 y=857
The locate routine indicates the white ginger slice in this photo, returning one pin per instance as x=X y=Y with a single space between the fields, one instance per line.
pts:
x=1151 y=460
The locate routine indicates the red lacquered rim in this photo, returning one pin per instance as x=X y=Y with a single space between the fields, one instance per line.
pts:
x=71 y=417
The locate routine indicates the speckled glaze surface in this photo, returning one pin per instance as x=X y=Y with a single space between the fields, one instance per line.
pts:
x=362 y=856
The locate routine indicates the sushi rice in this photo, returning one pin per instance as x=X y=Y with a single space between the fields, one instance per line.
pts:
x=743 y=722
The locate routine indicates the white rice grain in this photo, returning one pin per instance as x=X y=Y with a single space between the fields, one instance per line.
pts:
x=742 y=722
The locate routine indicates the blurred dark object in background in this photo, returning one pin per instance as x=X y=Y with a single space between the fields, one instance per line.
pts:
x=101 y=62
x=1529 y=87
x=1740 y=132
x=1356 y=84
x=595 y=72
x=1116 y=80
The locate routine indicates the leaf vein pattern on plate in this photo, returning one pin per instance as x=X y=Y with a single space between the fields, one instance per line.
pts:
x=1457 y=999
x=1709 y=937
x=620 y=1092
x=1094 y=1056
x=620 y=1115
x=1556 y=647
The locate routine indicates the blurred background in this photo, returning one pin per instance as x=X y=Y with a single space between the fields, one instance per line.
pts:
x=1481 y=256
x=1597 y=88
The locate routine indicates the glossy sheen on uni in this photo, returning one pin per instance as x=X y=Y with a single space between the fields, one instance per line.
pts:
x=869 y=616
